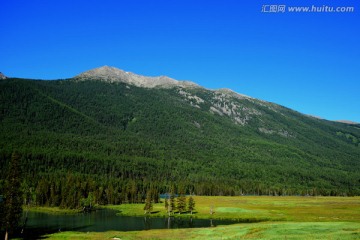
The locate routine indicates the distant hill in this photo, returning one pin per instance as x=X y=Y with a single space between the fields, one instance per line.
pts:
x=113 y=135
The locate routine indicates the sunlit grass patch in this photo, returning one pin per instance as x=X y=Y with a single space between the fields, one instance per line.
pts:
x=312 y=230
x=236 y=210
x=272 y=231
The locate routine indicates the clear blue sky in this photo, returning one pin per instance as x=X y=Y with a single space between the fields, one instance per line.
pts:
x=306 y=61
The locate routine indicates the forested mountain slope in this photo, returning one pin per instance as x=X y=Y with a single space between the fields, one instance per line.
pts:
x=113 y=140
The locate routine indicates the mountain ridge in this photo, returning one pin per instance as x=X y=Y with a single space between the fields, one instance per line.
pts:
x=116 y=137
x=112 y=74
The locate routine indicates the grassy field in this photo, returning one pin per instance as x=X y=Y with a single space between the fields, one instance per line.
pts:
x=278 y=230
x=307 y=209
x=279 y=218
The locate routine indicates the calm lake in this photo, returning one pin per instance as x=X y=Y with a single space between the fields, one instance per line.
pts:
x=39 y=224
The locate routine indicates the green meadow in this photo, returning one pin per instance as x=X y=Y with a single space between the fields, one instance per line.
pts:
x=259 y=217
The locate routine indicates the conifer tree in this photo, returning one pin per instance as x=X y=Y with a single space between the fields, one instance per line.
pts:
x=148 y=203
x=191 y=205
x=1 y=210
x=13 y=196
x=181 y=203
x=172 y=203
x=166 y=204
x=212 y=210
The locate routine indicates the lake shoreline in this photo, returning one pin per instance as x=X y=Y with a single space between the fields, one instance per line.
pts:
x=233 y=208
x=291 y=217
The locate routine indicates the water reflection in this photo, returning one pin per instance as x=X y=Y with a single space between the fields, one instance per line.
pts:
x=39 y=224
x=104 y=220
x=172 y=222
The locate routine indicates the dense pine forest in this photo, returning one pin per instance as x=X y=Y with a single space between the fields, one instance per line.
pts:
x=83 y=142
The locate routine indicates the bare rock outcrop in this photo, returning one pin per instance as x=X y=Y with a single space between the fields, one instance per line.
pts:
x=112 y=74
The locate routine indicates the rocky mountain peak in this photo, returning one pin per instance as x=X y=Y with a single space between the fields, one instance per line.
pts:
x=112 y=74
x=2 y=76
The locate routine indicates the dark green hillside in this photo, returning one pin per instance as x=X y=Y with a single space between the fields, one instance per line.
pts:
x=109 y=142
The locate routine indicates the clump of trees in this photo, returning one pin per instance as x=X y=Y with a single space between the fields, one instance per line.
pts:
x=179 y=204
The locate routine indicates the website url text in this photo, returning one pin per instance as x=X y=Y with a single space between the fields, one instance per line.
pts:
x=307 y=9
